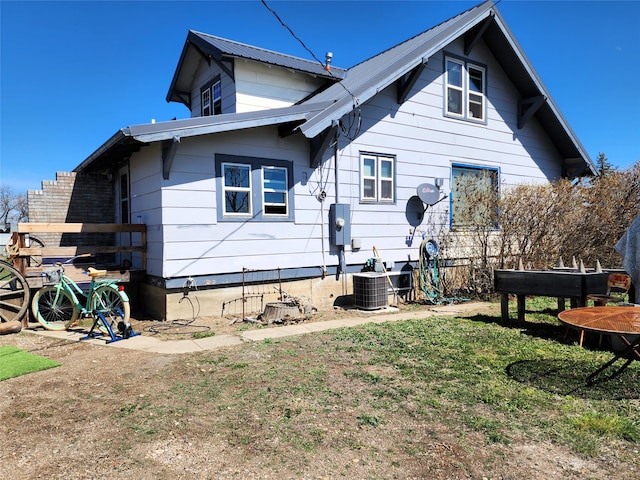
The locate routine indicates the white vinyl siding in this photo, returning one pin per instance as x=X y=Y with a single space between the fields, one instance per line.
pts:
x=185 y=214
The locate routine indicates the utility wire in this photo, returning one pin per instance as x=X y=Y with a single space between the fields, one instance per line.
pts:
x=356 y=102
x=275 y=14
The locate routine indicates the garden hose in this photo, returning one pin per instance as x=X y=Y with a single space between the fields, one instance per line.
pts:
x=429 y=277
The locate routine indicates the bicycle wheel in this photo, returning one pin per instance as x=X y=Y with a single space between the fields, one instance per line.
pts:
x=107 y=300
x=54 y=308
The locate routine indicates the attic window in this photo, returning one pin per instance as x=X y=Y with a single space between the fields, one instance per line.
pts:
x=465 y=90
x=211 y=98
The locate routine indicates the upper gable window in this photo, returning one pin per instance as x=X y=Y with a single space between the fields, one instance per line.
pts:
x=211 y=98
x=465 y=94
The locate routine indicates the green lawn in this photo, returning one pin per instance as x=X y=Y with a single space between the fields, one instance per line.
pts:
x=15 y=362
x=508 y=383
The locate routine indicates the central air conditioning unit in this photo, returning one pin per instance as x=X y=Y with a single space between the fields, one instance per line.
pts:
x=370 y=290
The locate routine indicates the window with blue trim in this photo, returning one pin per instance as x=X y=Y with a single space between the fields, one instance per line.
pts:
x=254 y=188
x=474 y=197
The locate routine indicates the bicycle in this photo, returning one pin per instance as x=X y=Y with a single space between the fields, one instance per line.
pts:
x=58 y=305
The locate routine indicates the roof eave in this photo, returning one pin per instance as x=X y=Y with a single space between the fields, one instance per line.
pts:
x=115 y=140
x=405 y=64
x=542 y=90
x=137 y=136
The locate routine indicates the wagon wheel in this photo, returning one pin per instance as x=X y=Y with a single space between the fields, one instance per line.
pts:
x=32 y=261
x=14 y=294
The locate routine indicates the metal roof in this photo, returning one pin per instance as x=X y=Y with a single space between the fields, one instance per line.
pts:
x=366 y=79
x=358 y=85
x=130 y=139
x=201 y=45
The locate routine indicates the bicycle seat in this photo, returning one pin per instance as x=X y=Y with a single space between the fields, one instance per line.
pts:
x=96 y=273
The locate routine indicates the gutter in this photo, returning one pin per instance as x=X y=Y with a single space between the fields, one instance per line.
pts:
x=114 y=141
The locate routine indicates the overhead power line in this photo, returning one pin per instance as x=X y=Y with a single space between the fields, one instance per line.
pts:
x=357 y=120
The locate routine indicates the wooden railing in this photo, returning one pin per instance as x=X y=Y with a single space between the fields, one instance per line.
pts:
x=21 y=253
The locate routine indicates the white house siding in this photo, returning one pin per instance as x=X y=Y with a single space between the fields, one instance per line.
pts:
x=255 y=87
x=260 y=86
x=145 y=175
x=426 y=143
x=195 y=243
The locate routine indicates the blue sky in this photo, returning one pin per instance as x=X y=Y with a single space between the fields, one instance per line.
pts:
x=73 y=73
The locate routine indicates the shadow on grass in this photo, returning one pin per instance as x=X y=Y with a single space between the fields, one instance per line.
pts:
x=569 y=377
x=539 y=329
x=547 y=330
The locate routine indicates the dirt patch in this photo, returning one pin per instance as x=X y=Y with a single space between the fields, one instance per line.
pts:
x=204 y=325
x=119 y=413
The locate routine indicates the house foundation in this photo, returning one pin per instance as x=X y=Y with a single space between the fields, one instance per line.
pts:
x=235 y=301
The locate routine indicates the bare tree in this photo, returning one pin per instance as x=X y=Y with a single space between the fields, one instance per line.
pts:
x=13 y=206
x=538 y=224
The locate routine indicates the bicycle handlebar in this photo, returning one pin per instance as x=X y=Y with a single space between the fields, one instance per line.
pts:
x=83 y=255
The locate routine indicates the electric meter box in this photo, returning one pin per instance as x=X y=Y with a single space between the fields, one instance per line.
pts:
x=340 y=224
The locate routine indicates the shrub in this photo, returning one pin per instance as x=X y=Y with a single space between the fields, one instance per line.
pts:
x=541 y=223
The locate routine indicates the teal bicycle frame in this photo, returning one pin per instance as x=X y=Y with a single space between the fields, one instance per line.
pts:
x=61 y=301
x=74 y=290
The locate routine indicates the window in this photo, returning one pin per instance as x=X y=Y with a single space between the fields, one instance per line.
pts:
x=377 y=178
x=254 y=188
x=124 y=198
x=465 y=85
x=474 y=197
x=211 y=98
x=237 y=189
x=274 y=190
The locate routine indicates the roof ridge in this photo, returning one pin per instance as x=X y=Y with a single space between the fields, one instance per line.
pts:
x=447 y=20
x=254 y=47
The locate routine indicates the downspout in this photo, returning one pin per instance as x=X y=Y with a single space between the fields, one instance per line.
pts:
x=342 y=263
x=324 y=260
x=335 y=165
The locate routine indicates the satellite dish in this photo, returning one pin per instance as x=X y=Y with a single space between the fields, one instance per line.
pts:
x=428 y=193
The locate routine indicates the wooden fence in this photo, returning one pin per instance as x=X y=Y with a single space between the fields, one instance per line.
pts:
x=28 y=255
